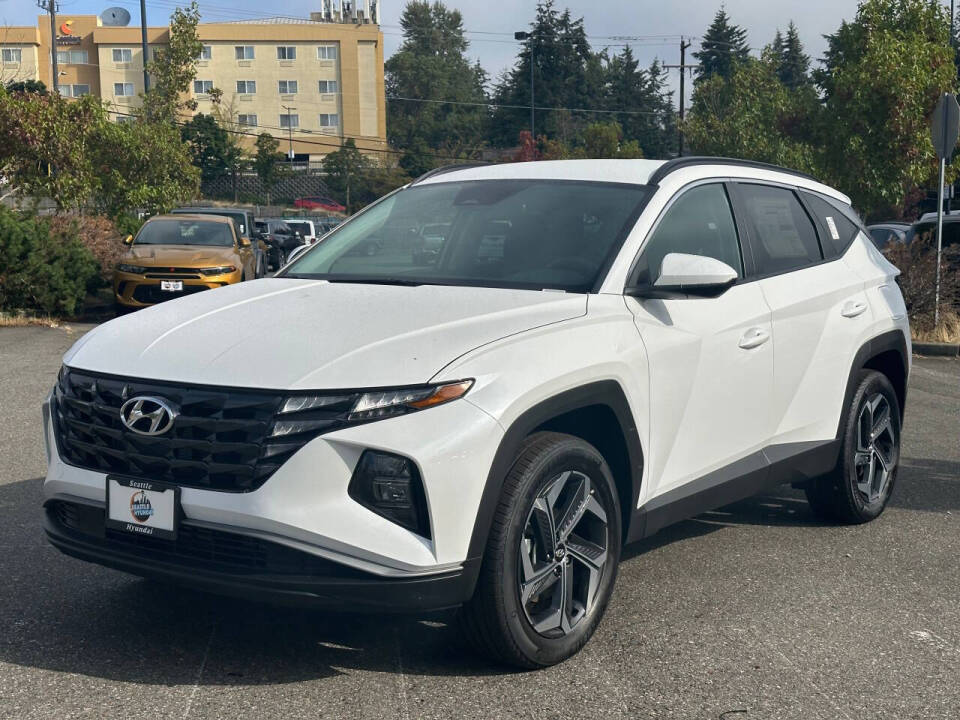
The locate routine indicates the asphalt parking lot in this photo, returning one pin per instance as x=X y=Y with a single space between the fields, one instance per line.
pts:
x=755 y=611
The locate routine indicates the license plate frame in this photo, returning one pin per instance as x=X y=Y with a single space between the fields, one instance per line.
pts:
x=159 y=516
x=171 y=285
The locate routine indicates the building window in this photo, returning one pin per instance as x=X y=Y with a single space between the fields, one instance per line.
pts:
x=206 y=53
x=123 y=119
x=246 y=87
x=12 y=55
x=74 y=90
x=288 y=87
x=202 y=87
x=72 y=57
x=286 y=52
x=330 y=120
x=247 y=120
x=244 y=52
x=122 y=55
x=328 y=86
x=289 y=121
x=327 y=52
x=123 y=89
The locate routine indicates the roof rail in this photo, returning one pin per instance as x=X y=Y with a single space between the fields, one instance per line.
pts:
x=688 y=161
x=443 y=169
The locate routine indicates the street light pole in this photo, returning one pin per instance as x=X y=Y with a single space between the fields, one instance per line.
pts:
x=528 y=36
x=289 y=130
x=143 y=40
x=51 y=7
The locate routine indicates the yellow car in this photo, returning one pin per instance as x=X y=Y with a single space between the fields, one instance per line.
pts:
x=175 y=255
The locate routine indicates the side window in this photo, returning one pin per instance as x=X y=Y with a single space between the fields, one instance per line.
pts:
x=880 y=237
x=700 y=222
x=837 y=230
x=784 y=236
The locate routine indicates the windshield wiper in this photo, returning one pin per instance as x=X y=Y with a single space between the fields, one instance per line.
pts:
x=359 y=280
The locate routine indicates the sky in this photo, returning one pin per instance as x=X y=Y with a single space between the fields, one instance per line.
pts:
x=654 y=26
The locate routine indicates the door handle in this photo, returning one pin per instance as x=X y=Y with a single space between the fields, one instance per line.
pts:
x=853 y=308
x=754 y=337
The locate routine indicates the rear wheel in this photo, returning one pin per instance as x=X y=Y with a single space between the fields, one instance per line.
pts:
x=551 y=558
x=858 y=489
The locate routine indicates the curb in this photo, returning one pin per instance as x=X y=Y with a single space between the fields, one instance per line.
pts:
x=932 y=349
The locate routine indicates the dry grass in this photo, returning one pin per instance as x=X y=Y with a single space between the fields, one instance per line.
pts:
x=22 y=319
x=947 y=332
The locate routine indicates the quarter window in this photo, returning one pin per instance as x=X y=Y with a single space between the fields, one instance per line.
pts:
x=122 y=55
x=288 y=87
x=836 y=229
x=700 y=222
x=286 y=52
x=784 y=236
x=246 y=87
x=327 y=52
x=243 y=52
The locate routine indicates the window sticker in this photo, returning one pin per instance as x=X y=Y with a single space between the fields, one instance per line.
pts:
x=833 y=228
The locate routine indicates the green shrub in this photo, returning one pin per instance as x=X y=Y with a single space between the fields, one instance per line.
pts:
x=42 y=271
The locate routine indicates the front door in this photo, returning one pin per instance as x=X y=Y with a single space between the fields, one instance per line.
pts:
x=710 y=359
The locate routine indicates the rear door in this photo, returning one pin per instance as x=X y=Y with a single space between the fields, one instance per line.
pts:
x=819 y=306
x=710 y=359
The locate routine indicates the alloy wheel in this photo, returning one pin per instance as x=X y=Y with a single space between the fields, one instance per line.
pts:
x=563 y=554
x=876 y=454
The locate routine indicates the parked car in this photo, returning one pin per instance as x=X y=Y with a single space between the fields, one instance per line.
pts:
x=177 y=255
x=326 y=224
x=305 y=227
x=280 y=238
x=886 y=233
x=487 y=431
x=319 y=202
x=243 y=220
x=927 y=226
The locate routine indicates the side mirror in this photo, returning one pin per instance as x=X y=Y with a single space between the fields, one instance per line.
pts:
x=244 y=242
x=683 y=274
x=128 y=240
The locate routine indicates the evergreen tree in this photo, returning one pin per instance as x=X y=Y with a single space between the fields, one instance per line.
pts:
x=212 y=148
x=647 y=106
x=431 y=64
x=793 y=64
x=723 y=45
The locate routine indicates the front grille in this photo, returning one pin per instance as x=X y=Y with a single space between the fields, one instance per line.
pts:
x=219 y=441
x=172 y=276
x=153 y=293
x=198 y=547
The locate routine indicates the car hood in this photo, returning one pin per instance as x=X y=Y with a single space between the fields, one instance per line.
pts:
x=307 y=334
x=178 y=255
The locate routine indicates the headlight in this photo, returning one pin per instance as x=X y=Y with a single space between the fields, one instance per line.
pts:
x=323 y=413
x=135 y=269
x=221 y=270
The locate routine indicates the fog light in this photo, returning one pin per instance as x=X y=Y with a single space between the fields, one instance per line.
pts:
x=390 y=486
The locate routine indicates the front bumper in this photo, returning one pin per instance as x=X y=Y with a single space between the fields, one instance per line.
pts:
x=305 y=505
x=226 y=563
x=138 y=291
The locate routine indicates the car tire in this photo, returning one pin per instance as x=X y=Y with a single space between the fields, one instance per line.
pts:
x=859 y=487
x=534 y=607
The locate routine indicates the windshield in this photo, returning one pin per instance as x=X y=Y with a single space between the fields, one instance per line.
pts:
x=496 y=233
x=239 y=218
x=185 y=232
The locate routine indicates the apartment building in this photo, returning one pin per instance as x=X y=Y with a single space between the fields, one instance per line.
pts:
x=310 y=83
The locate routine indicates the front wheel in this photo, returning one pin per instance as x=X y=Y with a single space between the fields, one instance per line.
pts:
x=551 y=558
x=859 y=487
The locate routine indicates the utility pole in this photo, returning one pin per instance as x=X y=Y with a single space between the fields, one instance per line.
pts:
x=51 y=7
x=289 y=130
x=682 y=67
x=143 y=40
x=527 y=36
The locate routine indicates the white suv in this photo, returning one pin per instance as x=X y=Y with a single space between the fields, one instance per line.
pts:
x=595 y=349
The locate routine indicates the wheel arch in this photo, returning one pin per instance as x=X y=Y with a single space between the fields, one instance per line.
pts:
x=887 y=354
x=597 y=412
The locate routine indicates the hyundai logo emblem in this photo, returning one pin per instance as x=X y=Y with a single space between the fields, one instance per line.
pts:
x=147 y=415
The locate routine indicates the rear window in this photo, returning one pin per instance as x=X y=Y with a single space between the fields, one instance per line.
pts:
x=784 y=236
x=836 y=230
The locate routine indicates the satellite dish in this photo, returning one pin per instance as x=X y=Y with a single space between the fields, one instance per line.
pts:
x=116 y=17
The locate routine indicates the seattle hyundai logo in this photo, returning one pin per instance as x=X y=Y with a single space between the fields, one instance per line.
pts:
x=147 y=415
